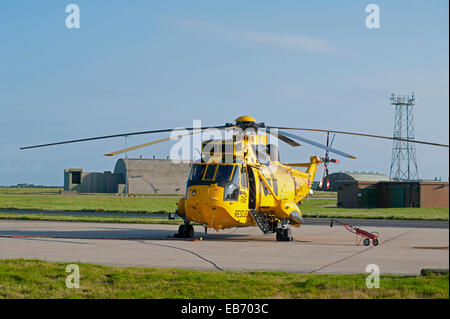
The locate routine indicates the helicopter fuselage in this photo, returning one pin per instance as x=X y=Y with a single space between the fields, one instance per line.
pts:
x=221 y=194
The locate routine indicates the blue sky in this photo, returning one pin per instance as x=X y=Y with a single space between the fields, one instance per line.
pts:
x=140 y=65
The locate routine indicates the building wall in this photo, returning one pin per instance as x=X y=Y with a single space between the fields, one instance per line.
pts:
x=400 y=194
x=100 y=182
x=106 y=182
x=68 y=180
x=144 y=176
x=368 y=194
x=347 y=194
x=356 y=194
x=434 y=194
x=153 y=176
x=347 y=176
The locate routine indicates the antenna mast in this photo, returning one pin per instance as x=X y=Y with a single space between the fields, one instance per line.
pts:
x=403 y=162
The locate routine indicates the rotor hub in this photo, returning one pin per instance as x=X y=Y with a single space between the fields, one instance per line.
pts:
x=246 y=121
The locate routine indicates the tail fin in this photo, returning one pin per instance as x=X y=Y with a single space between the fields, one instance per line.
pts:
x=306 y=177
x=313 y=166
x=313 y=160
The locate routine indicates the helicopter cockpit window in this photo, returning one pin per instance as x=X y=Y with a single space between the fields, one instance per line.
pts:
x=231 y=191
x=210 y=172
x=224 y=173
x=235 y=178
x=197 y=172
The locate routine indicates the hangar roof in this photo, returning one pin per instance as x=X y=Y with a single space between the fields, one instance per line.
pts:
x=363 y=176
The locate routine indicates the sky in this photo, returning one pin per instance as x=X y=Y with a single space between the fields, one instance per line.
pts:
x=143 y=65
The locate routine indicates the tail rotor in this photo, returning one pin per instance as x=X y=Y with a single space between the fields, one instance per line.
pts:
x=326 y=160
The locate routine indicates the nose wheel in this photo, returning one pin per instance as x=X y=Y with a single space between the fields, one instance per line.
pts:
x=284 y=234
x=185 y=231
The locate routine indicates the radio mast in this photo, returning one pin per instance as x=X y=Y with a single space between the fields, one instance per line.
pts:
x=403 y=162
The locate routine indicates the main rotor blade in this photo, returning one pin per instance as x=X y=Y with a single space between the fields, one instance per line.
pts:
x=360 y=134
x=284 y=138
x=124 y=134
x=146 y=144
x=330 y=149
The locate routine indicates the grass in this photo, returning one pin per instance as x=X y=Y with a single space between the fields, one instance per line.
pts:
x=325 y=207
x=57 y=191
x=90 y=203
x=324 y=194
x=134 y=194
x=30 y=191
x=429 y=213
x=40 y=279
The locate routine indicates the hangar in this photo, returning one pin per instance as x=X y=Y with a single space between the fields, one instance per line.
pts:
x=131 y=175
x=353 y=176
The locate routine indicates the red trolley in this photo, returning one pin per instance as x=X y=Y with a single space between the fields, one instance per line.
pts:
x=360 y=234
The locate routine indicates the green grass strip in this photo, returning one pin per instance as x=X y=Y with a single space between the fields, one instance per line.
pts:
x=40 y=279
x=90 y=203
x=31 y=191
x=309 y=207
x=327 y=208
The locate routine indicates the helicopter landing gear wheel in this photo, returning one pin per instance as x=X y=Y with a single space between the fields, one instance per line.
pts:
x=180 y=231
x=185 y=231
x=366 y=242
x=284 y=234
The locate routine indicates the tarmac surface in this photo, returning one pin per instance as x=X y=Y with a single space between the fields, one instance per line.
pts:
x=316 y=248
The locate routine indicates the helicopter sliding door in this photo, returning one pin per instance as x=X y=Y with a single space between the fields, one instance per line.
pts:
x=252 y=189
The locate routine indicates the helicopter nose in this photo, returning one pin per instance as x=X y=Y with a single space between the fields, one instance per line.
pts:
x=296 y=217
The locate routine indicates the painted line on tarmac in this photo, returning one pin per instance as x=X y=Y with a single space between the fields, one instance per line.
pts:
x=94 y=238
x=54 y=240
x=373 y=222
x=186 y=250
x=362 y=251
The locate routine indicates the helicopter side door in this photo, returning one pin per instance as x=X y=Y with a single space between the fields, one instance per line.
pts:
x=251 y=189
x=266 y=198
x=244 y=191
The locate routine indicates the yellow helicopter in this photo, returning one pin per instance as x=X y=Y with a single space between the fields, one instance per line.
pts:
x=240 y=182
